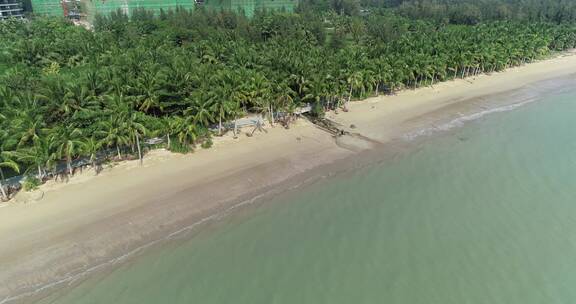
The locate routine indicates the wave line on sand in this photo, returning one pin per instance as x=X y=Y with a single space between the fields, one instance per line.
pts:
x=459 y=121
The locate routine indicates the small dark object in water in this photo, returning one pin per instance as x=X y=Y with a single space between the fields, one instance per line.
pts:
x=298 y=138
x=352 y=126
x=248 y=134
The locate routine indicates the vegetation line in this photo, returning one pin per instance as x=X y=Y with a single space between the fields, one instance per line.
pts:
x=70 y=93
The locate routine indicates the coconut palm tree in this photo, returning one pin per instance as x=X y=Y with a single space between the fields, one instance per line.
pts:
x=261 y=95
x=91 y=146
x=223 y=107
x=355 y=83
x=39 y=156
x=201 y=110
x=67 y=142
x=114 y=135
x=169 y=127
x=136 y=130
x=148 y=90
x=186 y=130
x=115 y=128
x=6 y=163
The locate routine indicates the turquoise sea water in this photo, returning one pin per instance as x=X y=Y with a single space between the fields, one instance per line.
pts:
x=485 y=213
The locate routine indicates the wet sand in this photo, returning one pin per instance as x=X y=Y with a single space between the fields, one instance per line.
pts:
x=93 y=219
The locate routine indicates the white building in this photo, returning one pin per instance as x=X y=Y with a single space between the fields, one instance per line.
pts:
x=10 y=8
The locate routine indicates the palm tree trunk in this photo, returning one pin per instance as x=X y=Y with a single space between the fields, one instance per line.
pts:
x=168 y=136
x=235 y=126
x=139 y=150
x=69 y=165
x=4 y=195
x=350 y=94
x=377 y=89
x=220 y=125
x=271 y=115
x=2 y=178
x=40 y=175
x=118 y=151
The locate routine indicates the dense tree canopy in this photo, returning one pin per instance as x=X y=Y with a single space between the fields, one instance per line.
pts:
x=456 y=11
x=68 y=92
x=475 y=11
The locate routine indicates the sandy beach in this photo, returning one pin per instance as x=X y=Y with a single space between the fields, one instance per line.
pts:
x=94 y=219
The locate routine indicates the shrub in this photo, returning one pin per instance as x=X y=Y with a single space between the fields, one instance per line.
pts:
x=31 y=183
x=317 y=110
x=178 y=147
x=207 y=143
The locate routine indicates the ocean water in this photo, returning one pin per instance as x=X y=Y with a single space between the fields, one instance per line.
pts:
x=485 y=213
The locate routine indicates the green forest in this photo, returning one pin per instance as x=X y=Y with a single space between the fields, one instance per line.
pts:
x=69 y=93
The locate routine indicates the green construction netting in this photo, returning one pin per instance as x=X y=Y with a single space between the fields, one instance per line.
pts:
x=93 y=7
x=47 y=7
x=107 y=6
x=249 y=6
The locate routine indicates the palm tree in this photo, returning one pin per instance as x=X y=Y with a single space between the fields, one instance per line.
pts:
x=114 y=128
x=91 y=146
x=149 y=89
x=6 y=163
x=355 y=83
x=113 y=135
x=133 y=125
x=222 y=94
x=28 y=126
x=284 y=99
x=186 y=130
x=169 y=127
x=39 y=155
x=201 y=111
x=261 y=95
x=5 y=142
x=77 y=97
x=67 y=141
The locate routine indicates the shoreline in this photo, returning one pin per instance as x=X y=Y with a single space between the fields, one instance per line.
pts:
x=79 y=224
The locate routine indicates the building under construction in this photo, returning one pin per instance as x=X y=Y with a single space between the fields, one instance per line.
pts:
x=10 y=9
x=89 y=8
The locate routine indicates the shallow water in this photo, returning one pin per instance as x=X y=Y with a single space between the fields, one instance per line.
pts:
x=483 y=214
